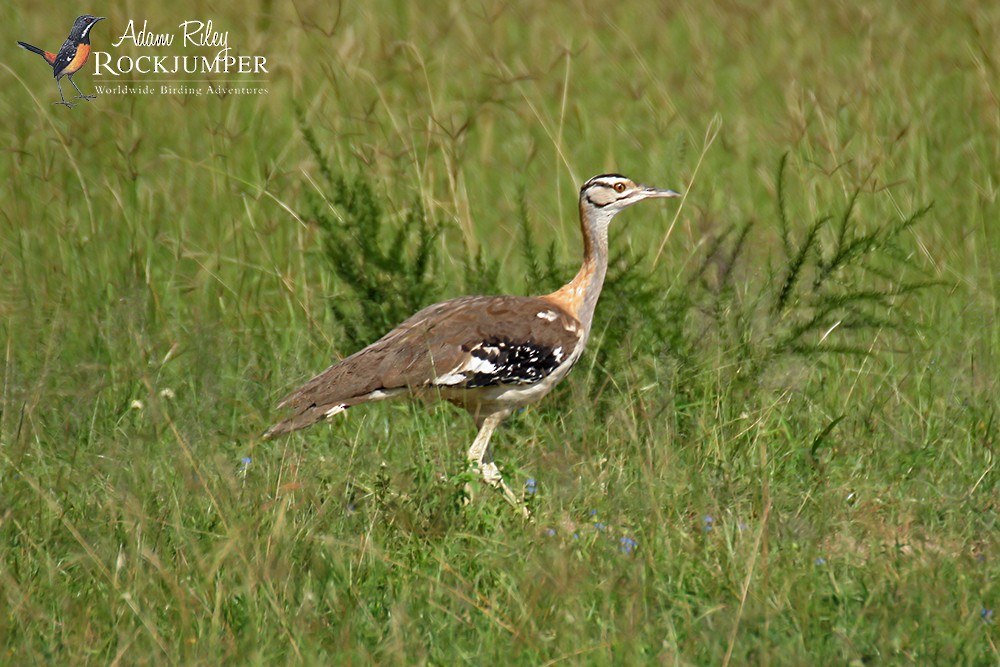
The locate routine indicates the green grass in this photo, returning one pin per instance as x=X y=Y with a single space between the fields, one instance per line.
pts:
x=164 y=279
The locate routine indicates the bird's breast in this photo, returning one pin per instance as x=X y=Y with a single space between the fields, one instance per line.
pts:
x=82 y=53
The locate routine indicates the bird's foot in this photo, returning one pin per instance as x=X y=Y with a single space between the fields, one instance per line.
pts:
x=85 y=97
x=65 y=104
x=491 y=475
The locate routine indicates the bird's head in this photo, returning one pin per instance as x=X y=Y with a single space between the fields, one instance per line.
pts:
x=83 y=24
x=610 y=193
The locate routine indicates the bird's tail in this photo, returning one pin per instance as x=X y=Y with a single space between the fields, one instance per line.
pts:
x=33 y=49
x=50 y=58
x=314 y=412
x=310 y=416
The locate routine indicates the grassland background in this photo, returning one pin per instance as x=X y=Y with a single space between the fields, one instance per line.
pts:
x=149 y=256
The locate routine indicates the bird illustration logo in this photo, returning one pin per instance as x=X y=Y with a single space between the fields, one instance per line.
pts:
x=71 y=57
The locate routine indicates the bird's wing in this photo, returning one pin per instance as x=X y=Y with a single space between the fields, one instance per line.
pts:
x=65 y=56
x=464 y=343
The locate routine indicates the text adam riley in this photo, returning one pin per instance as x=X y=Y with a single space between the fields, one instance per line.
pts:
x=194 y=33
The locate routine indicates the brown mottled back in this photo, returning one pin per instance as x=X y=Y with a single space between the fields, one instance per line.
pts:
x=436 y=347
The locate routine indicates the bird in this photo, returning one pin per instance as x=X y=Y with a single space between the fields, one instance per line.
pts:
x=490 y=355
x=72 y=55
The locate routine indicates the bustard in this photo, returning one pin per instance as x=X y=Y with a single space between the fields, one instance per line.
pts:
x=488 y=354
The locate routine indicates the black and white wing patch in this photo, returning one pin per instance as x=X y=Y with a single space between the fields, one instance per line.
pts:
x=506 y=341
x=502 y=361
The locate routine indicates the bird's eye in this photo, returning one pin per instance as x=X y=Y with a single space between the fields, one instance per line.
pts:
x=619 y=187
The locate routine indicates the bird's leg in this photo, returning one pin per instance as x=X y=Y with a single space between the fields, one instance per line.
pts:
x=81 y=95
x=481 y=458
x=64 y=102
x=480 y=446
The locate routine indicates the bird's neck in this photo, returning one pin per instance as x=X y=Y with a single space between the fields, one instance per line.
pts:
x=579 y=296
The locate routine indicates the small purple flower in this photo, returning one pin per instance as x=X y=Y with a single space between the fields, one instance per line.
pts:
x=742 y=526
x=628 y=545
x=986 y=615
x=707 y=523
x=599 y=526
x=530 y=486
x=551 y=532
x=820 y=561
x=576 y=536
x=593 y=512
x=245 y=463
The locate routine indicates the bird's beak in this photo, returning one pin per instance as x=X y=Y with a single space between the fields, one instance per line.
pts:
x=654 y=192
x=99 y=18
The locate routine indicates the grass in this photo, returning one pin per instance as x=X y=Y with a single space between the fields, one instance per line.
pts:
x=731 y=475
